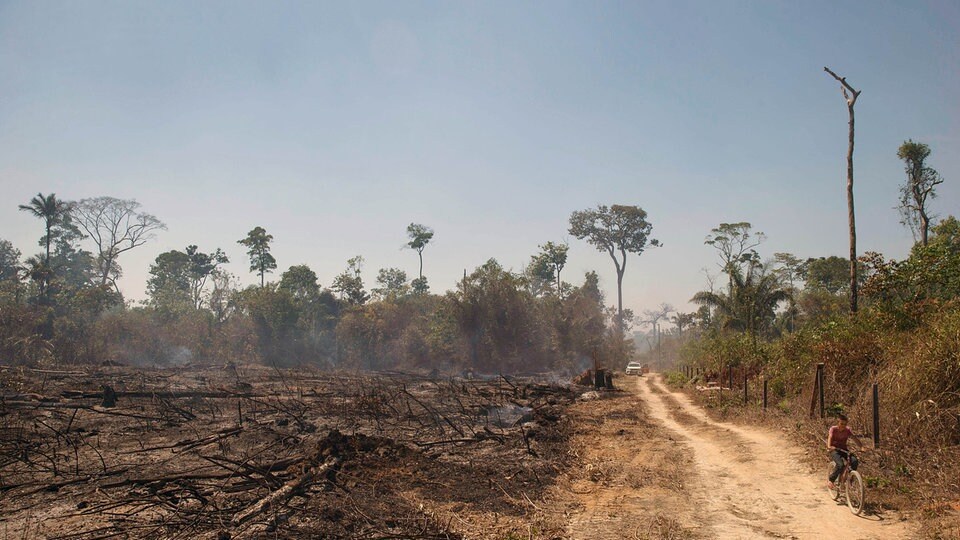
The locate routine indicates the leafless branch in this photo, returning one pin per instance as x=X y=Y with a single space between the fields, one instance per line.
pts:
x=844 y=87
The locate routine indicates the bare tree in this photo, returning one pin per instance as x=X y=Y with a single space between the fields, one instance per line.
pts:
x=789 y=270
x=850 y=95
x=115 y=226
x=653 y=318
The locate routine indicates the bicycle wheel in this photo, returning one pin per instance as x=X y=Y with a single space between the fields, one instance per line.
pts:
x=855 y=492
x=835 y=490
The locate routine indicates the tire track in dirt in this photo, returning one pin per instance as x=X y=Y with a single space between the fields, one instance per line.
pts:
x=751 y=483
x=631 y=481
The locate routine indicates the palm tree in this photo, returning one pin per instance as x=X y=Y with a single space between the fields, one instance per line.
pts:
x=751 y=303
x=50 y=209
x=682 y=320
x=38 y=272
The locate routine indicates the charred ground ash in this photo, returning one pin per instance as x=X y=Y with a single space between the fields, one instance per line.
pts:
x=247 y=451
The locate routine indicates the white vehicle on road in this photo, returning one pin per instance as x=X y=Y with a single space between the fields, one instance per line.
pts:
x=634 y=368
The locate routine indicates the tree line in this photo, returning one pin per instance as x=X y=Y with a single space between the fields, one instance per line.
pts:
x=64 y=303
x=766 y=298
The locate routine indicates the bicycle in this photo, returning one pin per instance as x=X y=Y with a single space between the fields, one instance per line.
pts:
x=849 y=484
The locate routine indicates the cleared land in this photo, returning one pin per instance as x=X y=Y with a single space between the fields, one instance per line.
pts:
x=254 y=452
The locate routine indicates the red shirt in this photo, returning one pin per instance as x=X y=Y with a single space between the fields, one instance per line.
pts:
x=838 y=437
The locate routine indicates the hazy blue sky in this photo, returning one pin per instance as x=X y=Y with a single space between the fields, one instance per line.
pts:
x=333 y=126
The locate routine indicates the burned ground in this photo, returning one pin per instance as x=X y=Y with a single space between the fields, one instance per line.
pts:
x=253 y=452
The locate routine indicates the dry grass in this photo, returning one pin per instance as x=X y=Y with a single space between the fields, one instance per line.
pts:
x=902 y=477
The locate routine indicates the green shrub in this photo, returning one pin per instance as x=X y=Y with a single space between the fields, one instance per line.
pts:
x=784 y=406
x=874 y=482
x=834 y=410
x=676 y=379
x=778 y=389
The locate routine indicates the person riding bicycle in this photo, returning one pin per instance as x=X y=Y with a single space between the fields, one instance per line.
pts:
x=837 y=444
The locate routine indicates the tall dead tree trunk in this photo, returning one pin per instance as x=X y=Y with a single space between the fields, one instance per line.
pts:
x=851 y=98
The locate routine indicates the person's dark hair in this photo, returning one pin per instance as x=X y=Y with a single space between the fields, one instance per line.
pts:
x=842 y=417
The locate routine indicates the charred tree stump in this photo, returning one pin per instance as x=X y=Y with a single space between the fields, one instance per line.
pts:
x=109 y=397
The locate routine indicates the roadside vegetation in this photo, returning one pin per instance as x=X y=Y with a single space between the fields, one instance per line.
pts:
x=775 y=318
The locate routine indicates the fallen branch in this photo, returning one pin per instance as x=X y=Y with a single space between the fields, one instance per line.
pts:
x=28 y=397
x=171 y=394
x=91 y=408
x=285 y=492
x=450 y=441
x=188 y=444
x=55 y=486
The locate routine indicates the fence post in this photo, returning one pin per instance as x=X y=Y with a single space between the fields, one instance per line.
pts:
x=744 y=386
x=876 y=415
x=730 y=373
x=764 y=393
x=820 y=386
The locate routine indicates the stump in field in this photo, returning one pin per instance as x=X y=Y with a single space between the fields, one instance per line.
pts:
x=109 y=397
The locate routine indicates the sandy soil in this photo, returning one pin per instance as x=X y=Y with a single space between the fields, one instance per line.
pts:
x=728 y=481
x=629 y=481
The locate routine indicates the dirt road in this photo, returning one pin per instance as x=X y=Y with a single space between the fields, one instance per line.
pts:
x=669 y=471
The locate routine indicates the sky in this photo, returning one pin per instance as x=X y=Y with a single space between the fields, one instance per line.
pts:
x=335 y=125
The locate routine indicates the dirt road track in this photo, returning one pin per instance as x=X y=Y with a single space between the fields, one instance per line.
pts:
x=752 y=484
x=739 y=483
